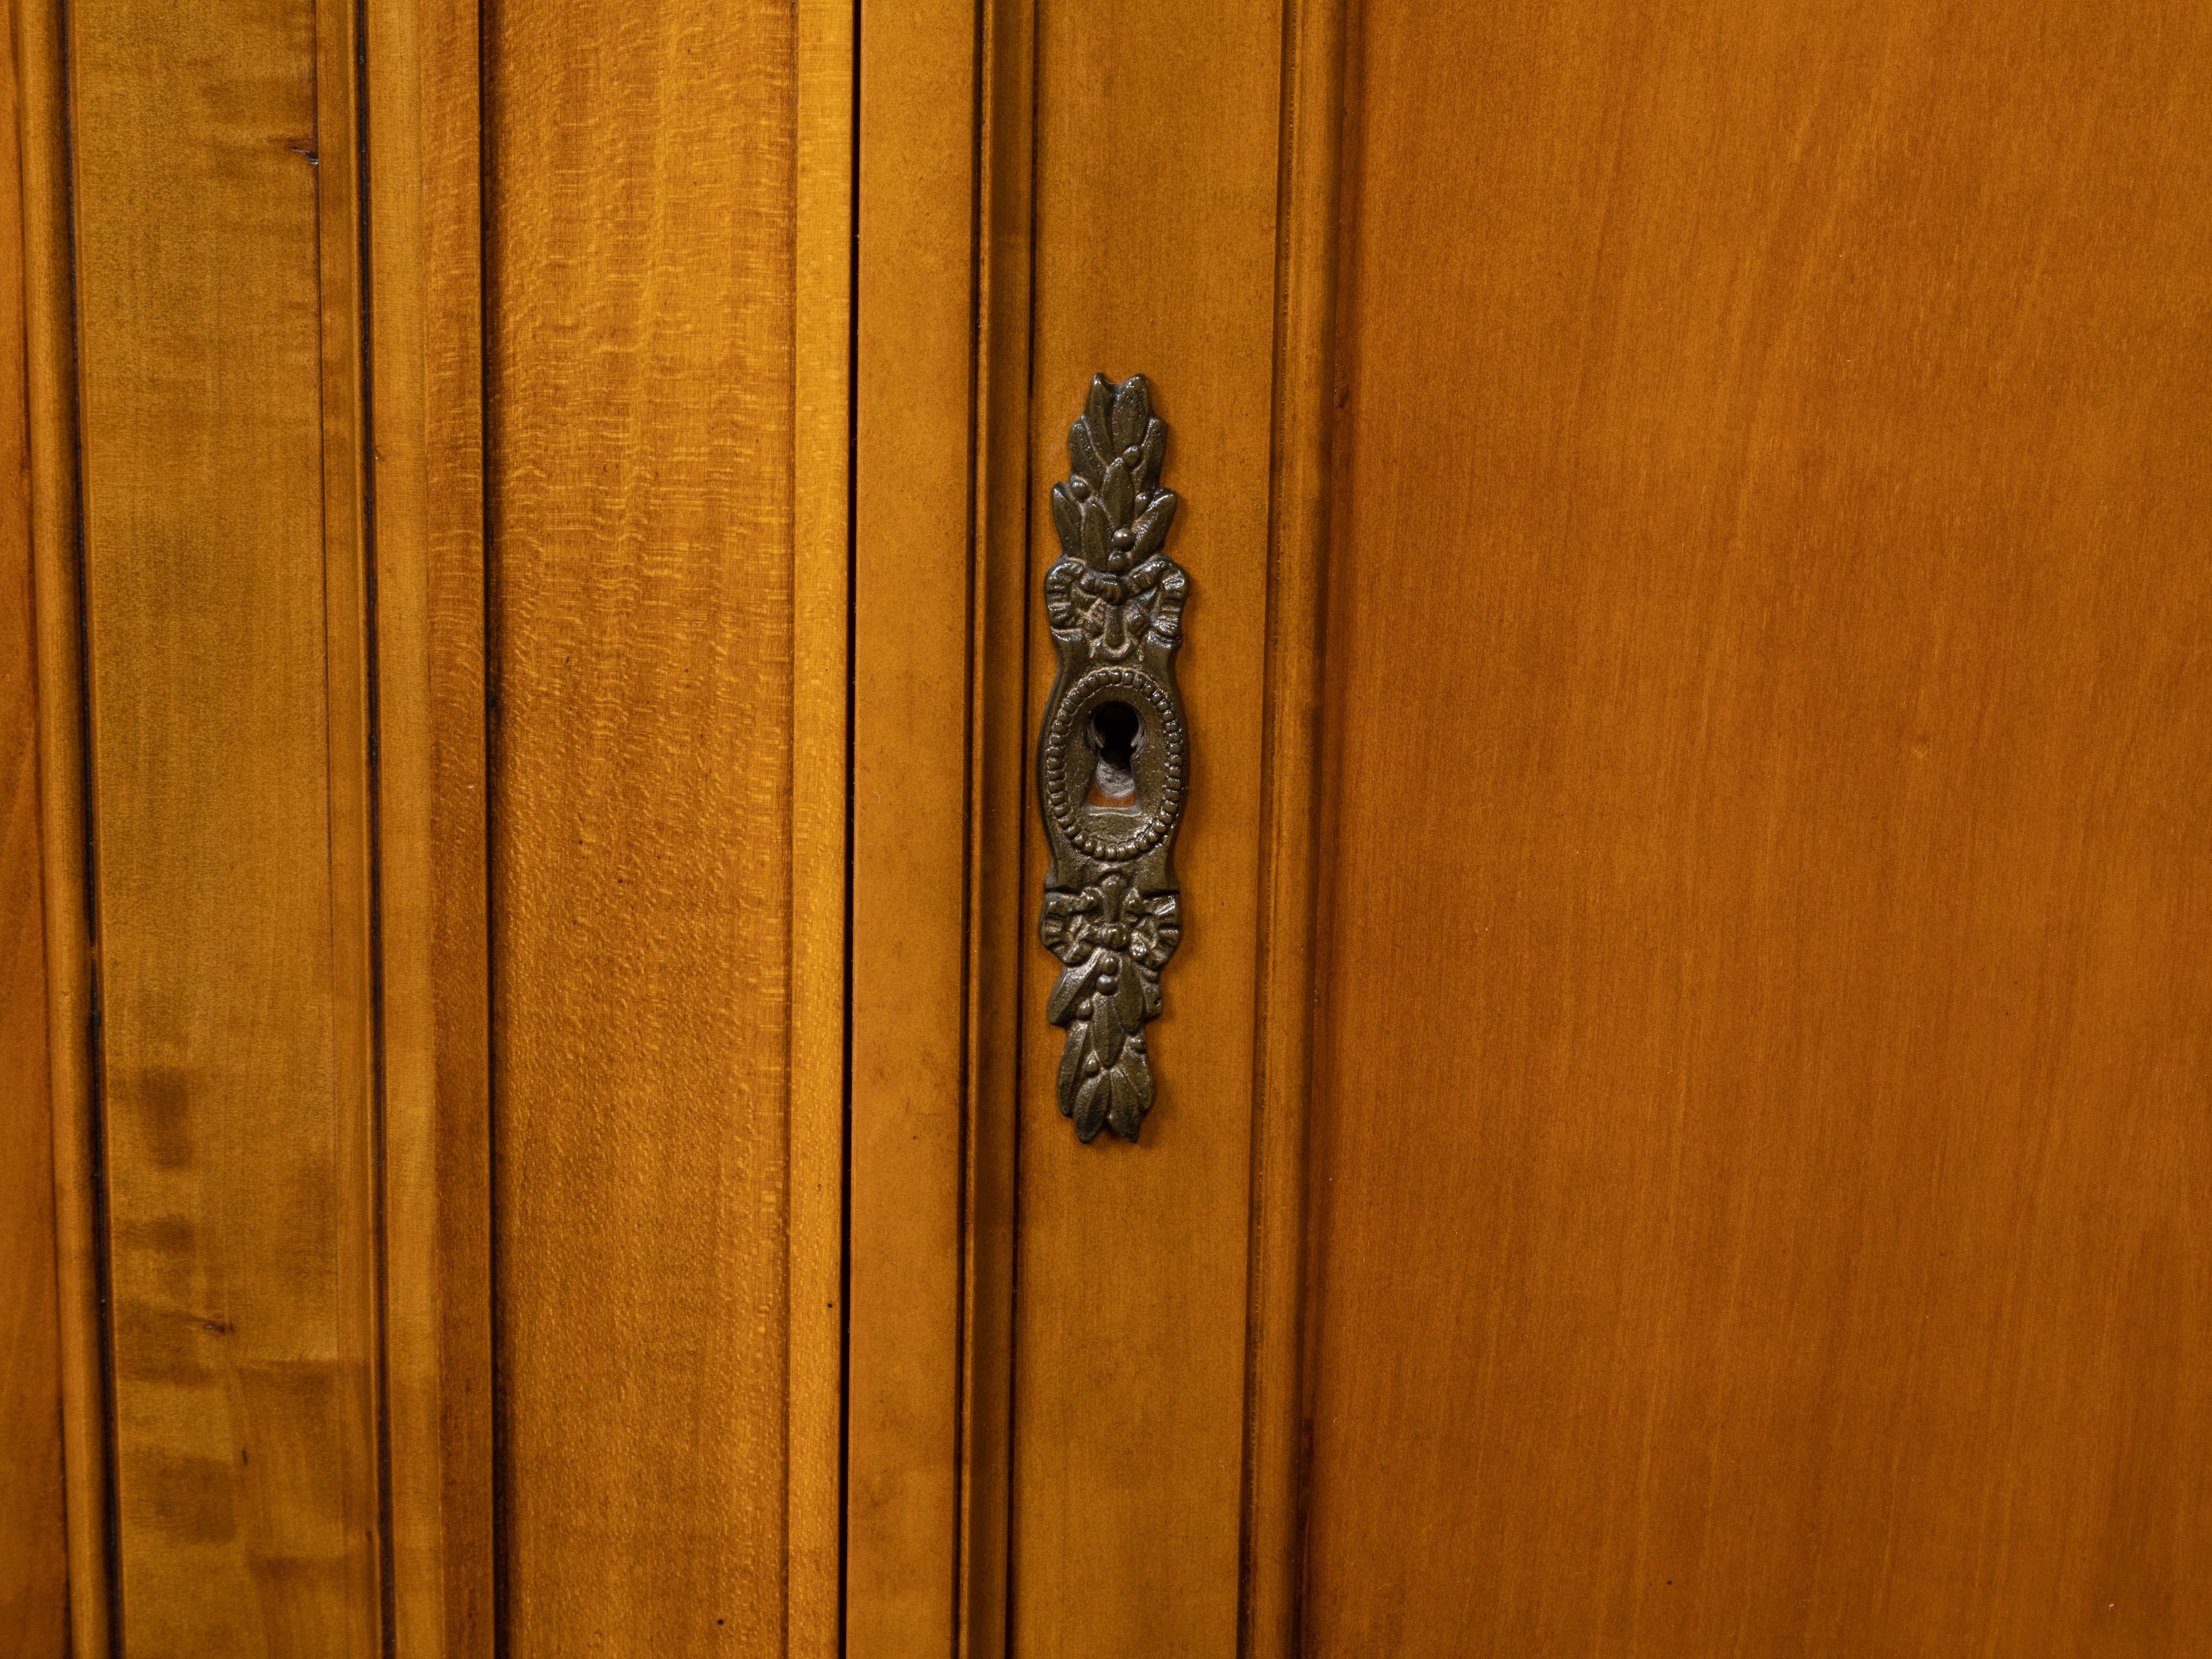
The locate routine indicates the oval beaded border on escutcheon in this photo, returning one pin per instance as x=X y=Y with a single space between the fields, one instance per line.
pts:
x=1086 y=693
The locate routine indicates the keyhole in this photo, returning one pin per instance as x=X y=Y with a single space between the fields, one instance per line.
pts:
x=1116 y=736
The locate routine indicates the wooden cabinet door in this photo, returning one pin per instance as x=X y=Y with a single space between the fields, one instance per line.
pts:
x=1760 y=1091
x=436 y=461
x=1680 y=1091
x=1679 y=1116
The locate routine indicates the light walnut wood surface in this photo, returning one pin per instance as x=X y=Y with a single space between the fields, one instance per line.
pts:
x=56 y=659
x=1001 y=919
x=1763 y=1118
x=426 y=281
x=815 y=1254
x=342 y=816
x=296 y=822
x=913 y=525
x=1156 y=252
x=941 y=914
x=227 y=406
x=226 y=762
x=1698 y=559
x=1302 y=436
x=1121 y=1496
x=643 y=419
x=33 y=1517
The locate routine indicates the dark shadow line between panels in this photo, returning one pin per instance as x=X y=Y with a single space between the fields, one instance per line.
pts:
x=488 y=476
x=852 y=637
x=95 y=1037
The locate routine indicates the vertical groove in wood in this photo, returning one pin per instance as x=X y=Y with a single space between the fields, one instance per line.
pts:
x=347 y=627
x=997 y=819
x=820 y=589
x=1305 y=329
x=225 y=631
x=33 y=1517
x=426 y=295
x=50 y=403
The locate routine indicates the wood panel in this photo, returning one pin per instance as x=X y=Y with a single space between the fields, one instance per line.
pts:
x=821 y=620
x=50 y=458
x=1269 y=1579
x=1156 y=252
x=227 y=758
x=940 y=921
x=941 y=914
x=913 y=439
x=651 y=834
x=1001 y=919
x=1763 y=1119
x=33 y=1520
x=421 y=74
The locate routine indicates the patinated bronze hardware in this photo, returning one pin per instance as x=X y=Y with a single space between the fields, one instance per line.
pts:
x=1113 y=757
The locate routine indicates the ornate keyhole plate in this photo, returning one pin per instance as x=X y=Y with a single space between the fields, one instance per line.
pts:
x=1112 y=912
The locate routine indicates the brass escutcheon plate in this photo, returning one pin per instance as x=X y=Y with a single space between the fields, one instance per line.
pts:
x=1113 y=756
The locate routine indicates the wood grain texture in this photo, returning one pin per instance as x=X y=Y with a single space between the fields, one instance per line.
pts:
x=1000 y=918
x=1156 y=254
x=940 y=917
x=50 y=458
x=33 y=1517
x=226 y=762
x=427 y=283
x=642 y=436
x=1269 y=1579
x=356 y=1149
x=822 y=553
x=226 y=748
x=913 y=518
x=1763 y=1118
